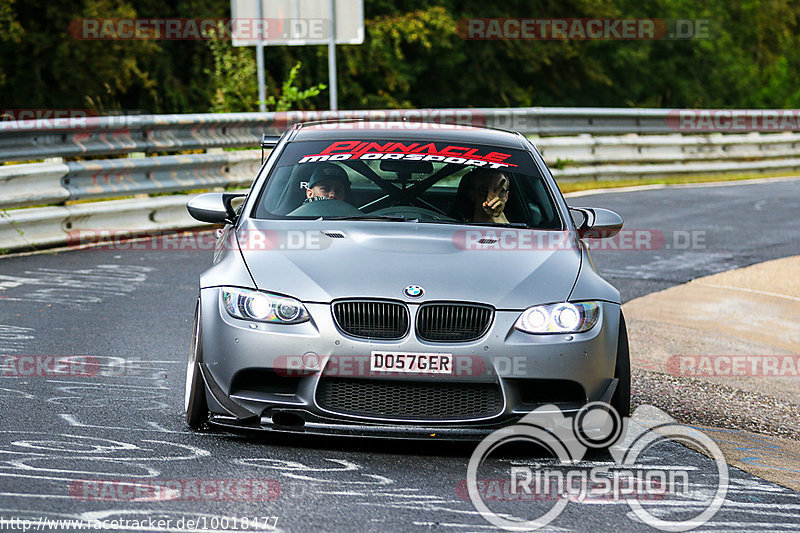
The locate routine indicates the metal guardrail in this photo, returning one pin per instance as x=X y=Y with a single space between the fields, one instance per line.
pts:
x=119 y=177
x=583 y=157
x=43 y=227
x=632 y=148
x=27 y=140
x=585 y=143
x=34 y=184
x=92 y=136
x=53 y=183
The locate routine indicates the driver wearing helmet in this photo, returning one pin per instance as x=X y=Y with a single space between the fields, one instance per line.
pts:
x=327 y=182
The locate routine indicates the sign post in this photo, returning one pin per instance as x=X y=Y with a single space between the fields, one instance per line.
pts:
x=262 y=85
x=332 y=80
x=297 y=23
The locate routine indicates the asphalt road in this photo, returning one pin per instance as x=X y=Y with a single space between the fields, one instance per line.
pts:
x=70 y=443
x=695 y=231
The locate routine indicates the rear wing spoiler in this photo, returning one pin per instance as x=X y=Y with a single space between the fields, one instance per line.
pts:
x=268 y=141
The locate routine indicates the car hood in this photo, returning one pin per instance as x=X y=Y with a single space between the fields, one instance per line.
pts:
x=320 y=261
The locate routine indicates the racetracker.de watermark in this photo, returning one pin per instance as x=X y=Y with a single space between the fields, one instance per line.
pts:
x=201 y=522
x=478 y=239
x=383 y=363
x=627 y=240
x=399 y=119
x=192 y=29
x=405 y=119
x=27 y=366
x=181 y=241
x=777 y=366
x=149 y=490
x=41 y=119
x=76 y=366
x=549 y=29
x=733 y=120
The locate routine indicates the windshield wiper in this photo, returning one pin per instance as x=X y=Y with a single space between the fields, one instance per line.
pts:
x=520 y=225
x=390 y=218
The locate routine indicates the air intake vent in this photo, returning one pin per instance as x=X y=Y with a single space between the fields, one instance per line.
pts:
x=453 y=322
x=334 y=234
x=371 y=319
x=411 y=400
x=487 y=240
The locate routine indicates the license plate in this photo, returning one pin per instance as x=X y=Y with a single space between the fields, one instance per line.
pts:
x=412 y=363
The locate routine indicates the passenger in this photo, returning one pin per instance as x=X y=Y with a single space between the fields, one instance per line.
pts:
x=327 y=182
x=482 y=196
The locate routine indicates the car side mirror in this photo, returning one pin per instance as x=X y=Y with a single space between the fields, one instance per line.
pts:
x=595 y=222
x=214 y=207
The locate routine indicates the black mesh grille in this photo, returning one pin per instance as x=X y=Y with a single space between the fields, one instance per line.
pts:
x=453 y=322
x=371 y=319
x=409 y=399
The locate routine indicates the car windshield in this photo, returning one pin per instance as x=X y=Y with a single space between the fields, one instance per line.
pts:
x=432 y=182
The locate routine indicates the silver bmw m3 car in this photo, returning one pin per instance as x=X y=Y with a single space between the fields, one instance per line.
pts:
x=405 y=280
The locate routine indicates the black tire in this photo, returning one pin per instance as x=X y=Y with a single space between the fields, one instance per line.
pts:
x=195 y=394
x=621 y=400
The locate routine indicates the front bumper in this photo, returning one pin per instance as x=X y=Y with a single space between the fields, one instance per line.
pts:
x=528 y=370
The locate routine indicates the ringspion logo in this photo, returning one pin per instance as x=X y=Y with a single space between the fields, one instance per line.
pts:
x=545 y=490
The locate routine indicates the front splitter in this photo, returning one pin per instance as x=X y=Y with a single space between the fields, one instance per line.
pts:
x=448 y=433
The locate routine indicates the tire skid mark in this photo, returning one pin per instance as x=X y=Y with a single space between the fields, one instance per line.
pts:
x=23 y=455
x=73 y=421
x=141 y=398
x=73 y=288
x=290 y=469
x=14 y=339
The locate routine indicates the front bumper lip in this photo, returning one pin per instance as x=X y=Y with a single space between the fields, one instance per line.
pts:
x=320 y=426
x=306 y=422
x=317 y=425
x=238 y=411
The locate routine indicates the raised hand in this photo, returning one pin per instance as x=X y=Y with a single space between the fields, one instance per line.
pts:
x=496 y=197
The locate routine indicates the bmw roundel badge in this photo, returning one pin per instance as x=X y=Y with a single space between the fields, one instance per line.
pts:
x=413 y=291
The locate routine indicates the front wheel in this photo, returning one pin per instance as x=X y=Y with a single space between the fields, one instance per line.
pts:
x=621 y=400
x=195 y=394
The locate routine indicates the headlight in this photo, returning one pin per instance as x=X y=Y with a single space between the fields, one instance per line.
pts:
x=563 y=317
x=262 y=306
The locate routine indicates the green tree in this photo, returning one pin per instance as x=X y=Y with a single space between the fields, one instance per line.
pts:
x=235 y=86
x=413 y=56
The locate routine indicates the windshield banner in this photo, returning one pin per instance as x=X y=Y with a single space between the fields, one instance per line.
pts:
x=365 y=150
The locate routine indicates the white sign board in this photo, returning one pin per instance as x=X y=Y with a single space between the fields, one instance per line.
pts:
x=296 y=22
